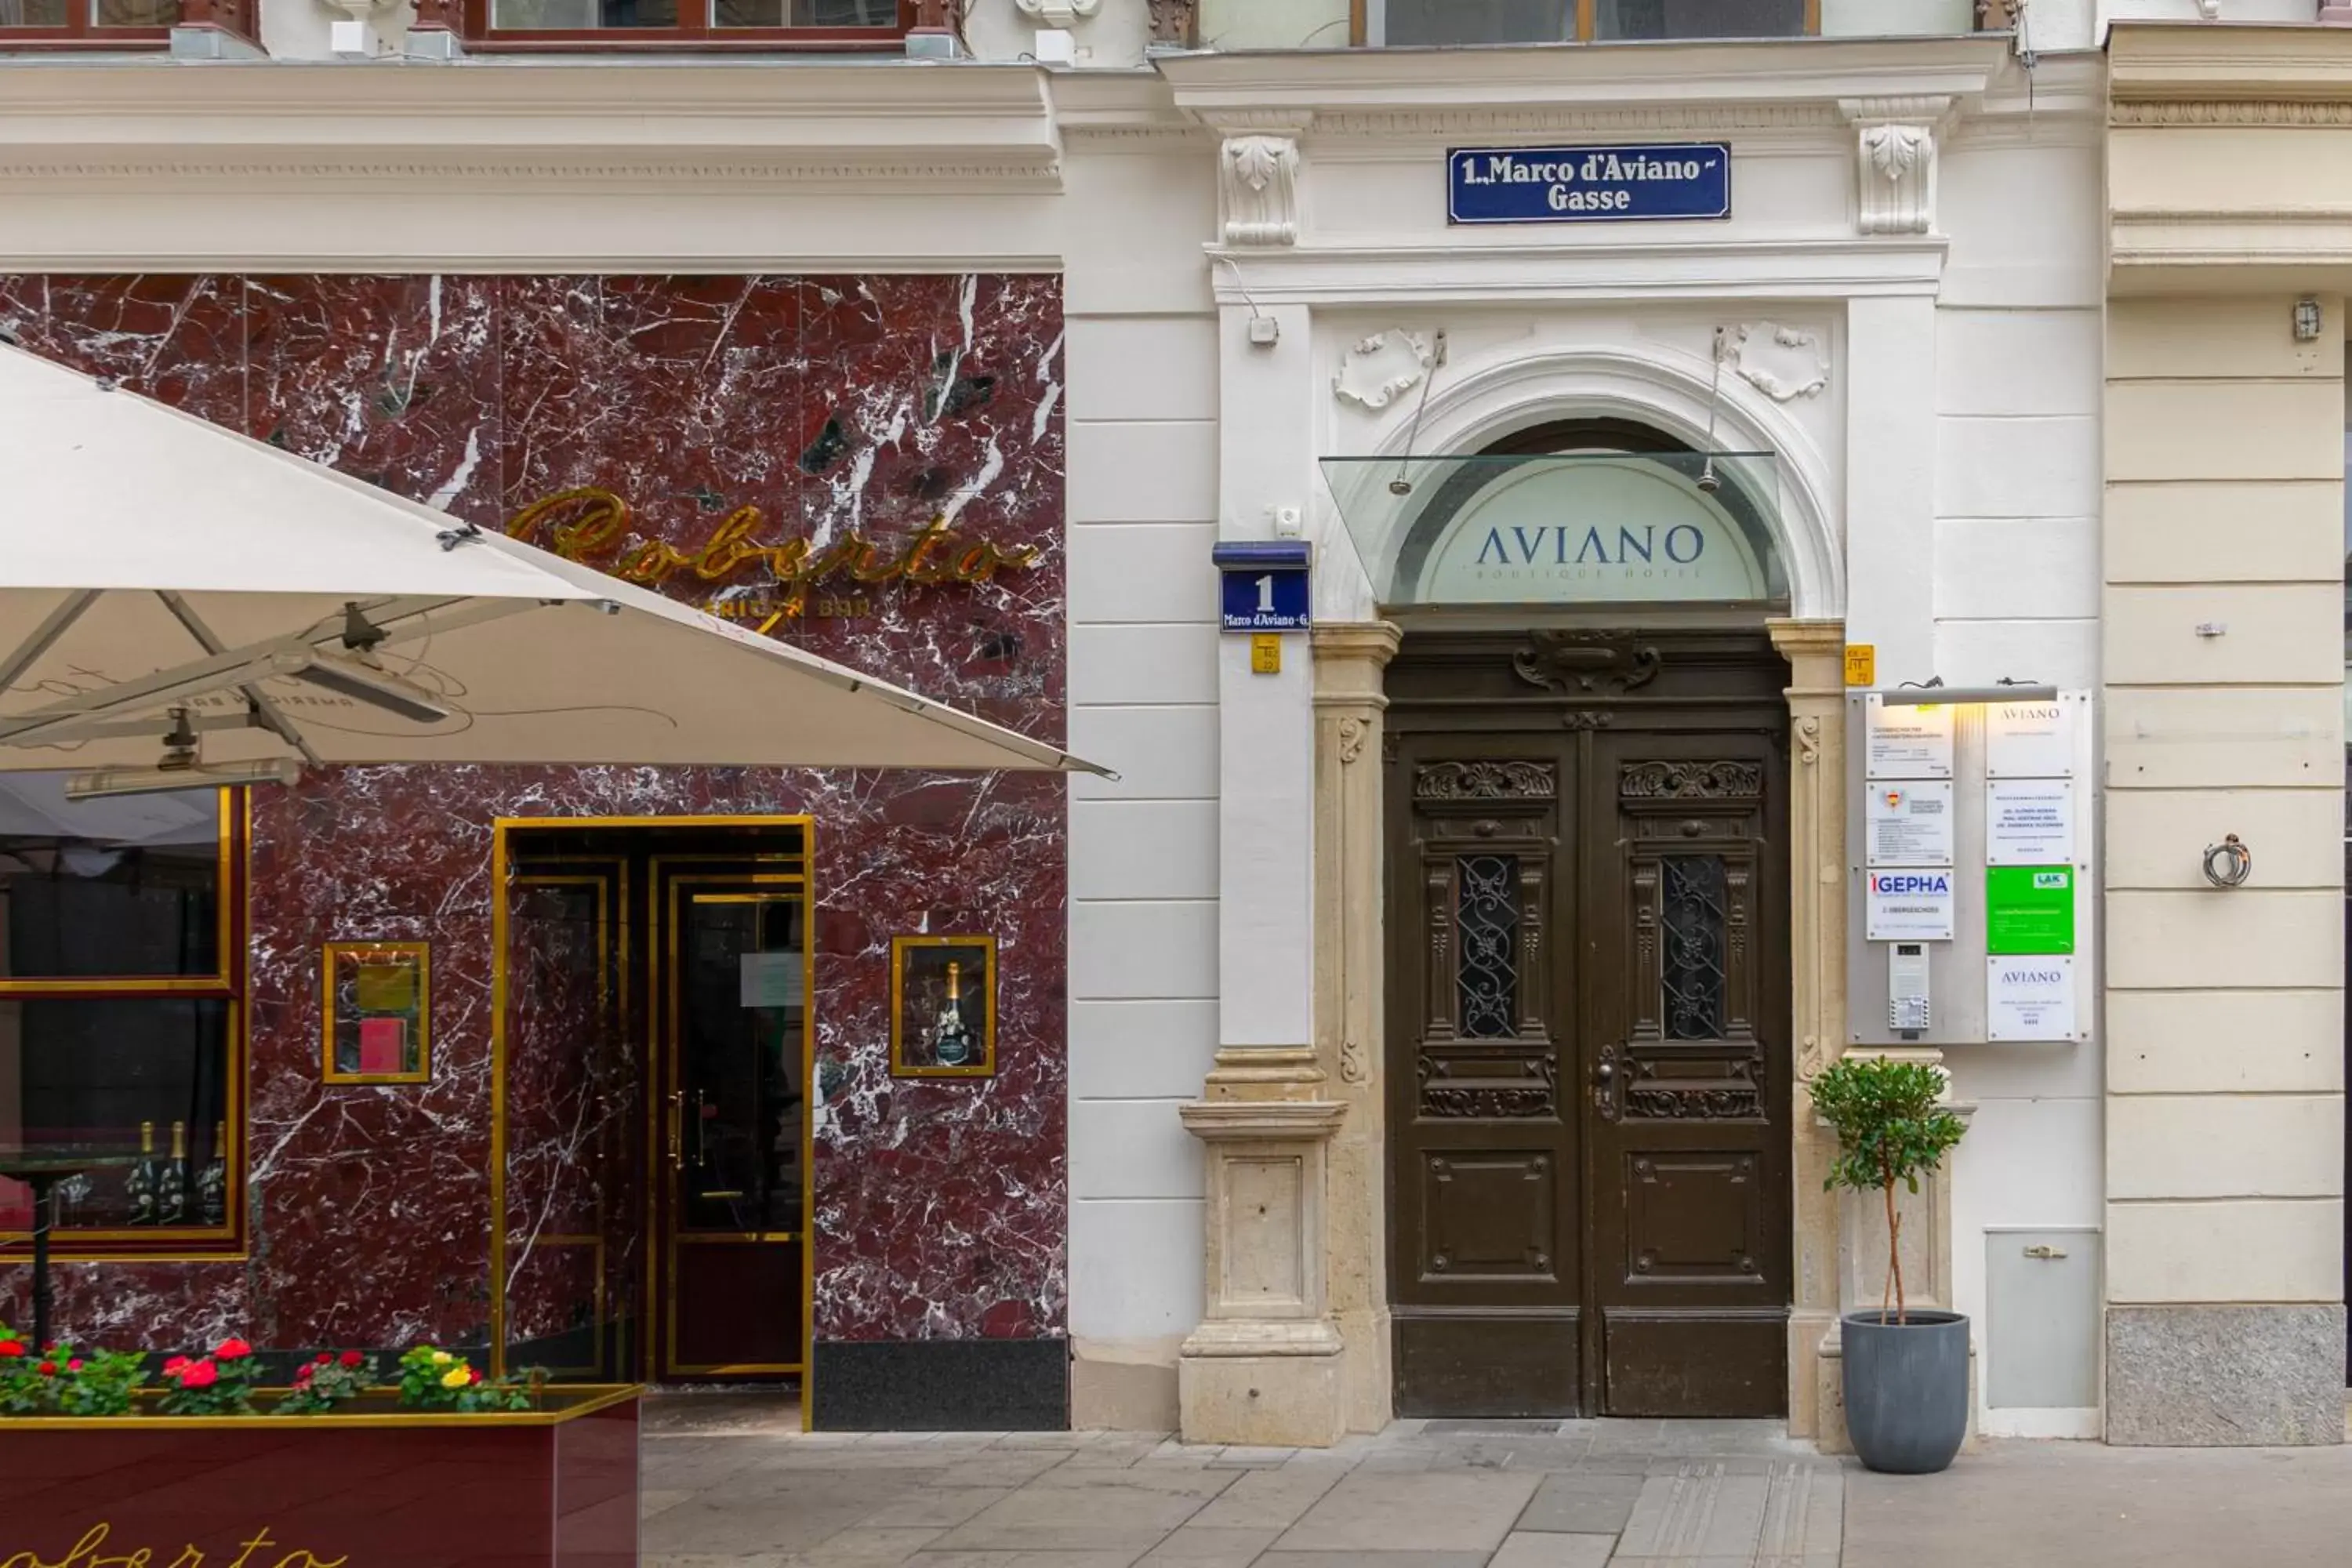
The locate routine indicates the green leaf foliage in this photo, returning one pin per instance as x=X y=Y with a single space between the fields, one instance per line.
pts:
x=1889 y=1125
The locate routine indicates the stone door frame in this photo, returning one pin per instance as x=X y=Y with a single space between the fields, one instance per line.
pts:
x=1350 y=662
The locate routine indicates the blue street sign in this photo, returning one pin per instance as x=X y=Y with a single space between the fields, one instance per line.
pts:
x=1266 y=586
x=1587 y=185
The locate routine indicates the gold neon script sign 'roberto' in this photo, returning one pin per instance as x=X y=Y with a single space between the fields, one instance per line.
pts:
x=84 y=1553
x=589 y=525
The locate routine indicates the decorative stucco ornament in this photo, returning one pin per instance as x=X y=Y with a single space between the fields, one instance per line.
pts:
x=1058 y=13
x=1896 y=159
x=1258 y=179
x=1782 y=363
x=1378 y=370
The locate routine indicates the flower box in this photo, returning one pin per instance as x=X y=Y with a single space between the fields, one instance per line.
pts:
x=370 y=1486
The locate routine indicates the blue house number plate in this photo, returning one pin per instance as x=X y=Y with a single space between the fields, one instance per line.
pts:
x=1267 y=599
x=1587 y=185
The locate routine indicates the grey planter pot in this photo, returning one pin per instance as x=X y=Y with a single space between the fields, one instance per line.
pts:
x=1907 y=1389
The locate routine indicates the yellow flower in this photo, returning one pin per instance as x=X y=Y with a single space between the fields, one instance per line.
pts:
x=456 y=1377
x=441 y=1358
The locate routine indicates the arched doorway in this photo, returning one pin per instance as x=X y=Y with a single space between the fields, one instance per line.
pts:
x=1587 y=899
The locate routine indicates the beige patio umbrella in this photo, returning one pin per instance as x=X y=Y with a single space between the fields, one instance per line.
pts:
x=179 y=599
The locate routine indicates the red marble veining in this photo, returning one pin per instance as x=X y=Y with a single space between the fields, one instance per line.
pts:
x=831 y=403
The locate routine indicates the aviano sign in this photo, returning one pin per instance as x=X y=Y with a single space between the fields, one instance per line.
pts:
x=1591 y=530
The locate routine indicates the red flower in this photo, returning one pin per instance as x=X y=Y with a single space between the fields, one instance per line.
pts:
x=477 y=1373
x=11 y=1347
x=302 y=1376
x=232 y=1350
x=73 y=1366
x=176 y=1365
x=352 y=1359
x=199 y=1374
x=48 y=1369
x=321 y=1359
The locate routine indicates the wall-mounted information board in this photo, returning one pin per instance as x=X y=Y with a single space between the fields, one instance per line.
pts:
x=1969 y=837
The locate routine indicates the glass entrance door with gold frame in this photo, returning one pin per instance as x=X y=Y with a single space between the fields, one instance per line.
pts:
x=732 y=1048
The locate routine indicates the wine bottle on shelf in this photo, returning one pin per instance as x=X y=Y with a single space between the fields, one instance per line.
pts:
x=171 y=1191
x=139 y=1187
x=952 y=1043
x=212 y=1186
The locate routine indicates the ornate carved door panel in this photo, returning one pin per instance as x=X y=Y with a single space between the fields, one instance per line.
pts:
x=1485 y=1192
x=1689 y=1126
x=1588 y=1001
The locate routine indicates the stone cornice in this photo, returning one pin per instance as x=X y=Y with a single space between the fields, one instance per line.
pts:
x=1391 y=92
x=2243 y=63
x=509 y=125
x=2233 y=113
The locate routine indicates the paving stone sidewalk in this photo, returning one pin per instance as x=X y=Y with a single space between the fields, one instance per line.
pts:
x=727 y=1487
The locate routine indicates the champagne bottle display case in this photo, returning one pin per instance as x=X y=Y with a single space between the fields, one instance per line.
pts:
x=943 y=1007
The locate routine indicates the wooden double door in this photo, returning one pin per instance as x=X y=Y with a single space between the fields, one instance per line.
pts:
x=1588 y=1020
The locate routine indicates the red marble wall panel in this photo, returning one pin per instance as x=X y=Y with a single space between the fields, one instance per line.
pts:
x=832 y=405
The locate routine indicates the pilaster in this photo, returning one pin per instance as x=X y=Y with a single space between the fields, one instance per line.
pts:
x=1817 y=886
x=1349 y=971
x=1266 y=1365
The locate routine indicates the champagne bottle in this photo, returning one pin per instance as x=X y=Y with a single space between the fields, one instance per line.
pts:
x=952 y=1042
x=171 y=1191
x=139 y=1188
x=212 y=1186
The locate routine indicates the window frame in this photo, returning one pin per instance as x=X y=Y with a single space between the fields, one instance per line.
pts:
x=181 y=1243
x=1587 y=21
x=82 y=31
x=703 y=37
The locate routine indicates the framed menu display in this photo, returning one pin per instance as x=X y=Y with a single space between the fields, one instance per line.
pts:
x=376 y=1000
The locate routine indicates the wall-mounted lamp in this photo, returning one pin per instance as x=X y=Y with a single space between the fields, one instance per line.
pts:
x=2307 y=321
x=1936 y=694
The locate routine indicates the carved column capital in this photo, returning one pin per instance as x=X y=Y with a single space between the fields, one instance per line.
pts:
x=1058 y=13
x=1895 y=161
x=1172 y=22
x=1258 y=179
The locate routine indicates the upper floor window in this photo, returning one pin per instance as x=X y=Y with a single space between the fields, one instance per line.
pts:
x=831 y=23
x=1404 y=22
x=93 y=22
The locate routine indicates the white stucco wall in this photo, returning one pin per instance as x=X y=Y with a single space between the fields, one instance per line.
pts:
x=1143 y=698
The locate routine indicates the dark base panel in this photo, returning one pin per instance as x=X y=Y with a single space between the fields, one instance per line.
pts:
x=943 y=1385
x=1490 y=1364
x=1723 y=1364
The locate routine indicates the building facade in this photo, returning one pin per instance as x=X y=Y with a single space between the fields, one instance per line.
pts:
x=1418 y=1023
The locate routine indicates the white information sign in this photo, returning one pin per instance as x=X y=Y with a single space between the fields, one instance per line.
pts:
x=2030 y=739
x=1910 y=823
x=771 y=979
x=1909 y=906
x=2029 y=998
x=2030 y=821
x=1907 y=743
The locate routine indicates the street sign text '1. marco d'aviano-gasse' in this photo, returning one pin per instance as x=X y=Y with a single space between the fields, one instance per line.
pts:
x=1687 y=181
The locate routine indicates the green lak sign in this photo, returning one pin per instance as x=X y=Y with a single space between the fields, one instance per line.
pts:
x=2029 y=910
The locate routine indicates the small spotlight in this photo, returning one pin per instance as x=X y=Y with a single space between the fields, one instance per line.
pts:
x=1400 y=486
x=2307 y=321
x=1709 y=482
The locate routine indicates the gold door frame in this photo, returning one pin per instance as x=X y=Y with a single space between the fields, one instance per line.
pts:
x=789 y=889
x=501 y=830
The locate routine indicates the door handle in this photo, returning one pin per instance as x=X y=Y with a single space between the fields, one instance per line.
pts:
x=677 y=1149
x=2046 y=1252
x=1604 y=1084
x=1606 y=1072
x=701 y=1150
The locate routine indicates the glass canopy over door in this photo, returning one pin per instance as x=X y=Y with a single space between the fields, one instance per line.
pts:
x=1565 y=529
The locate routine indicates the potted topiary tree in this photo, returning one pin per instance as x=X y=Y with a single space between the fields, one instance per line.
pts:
x=1906 y=1373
